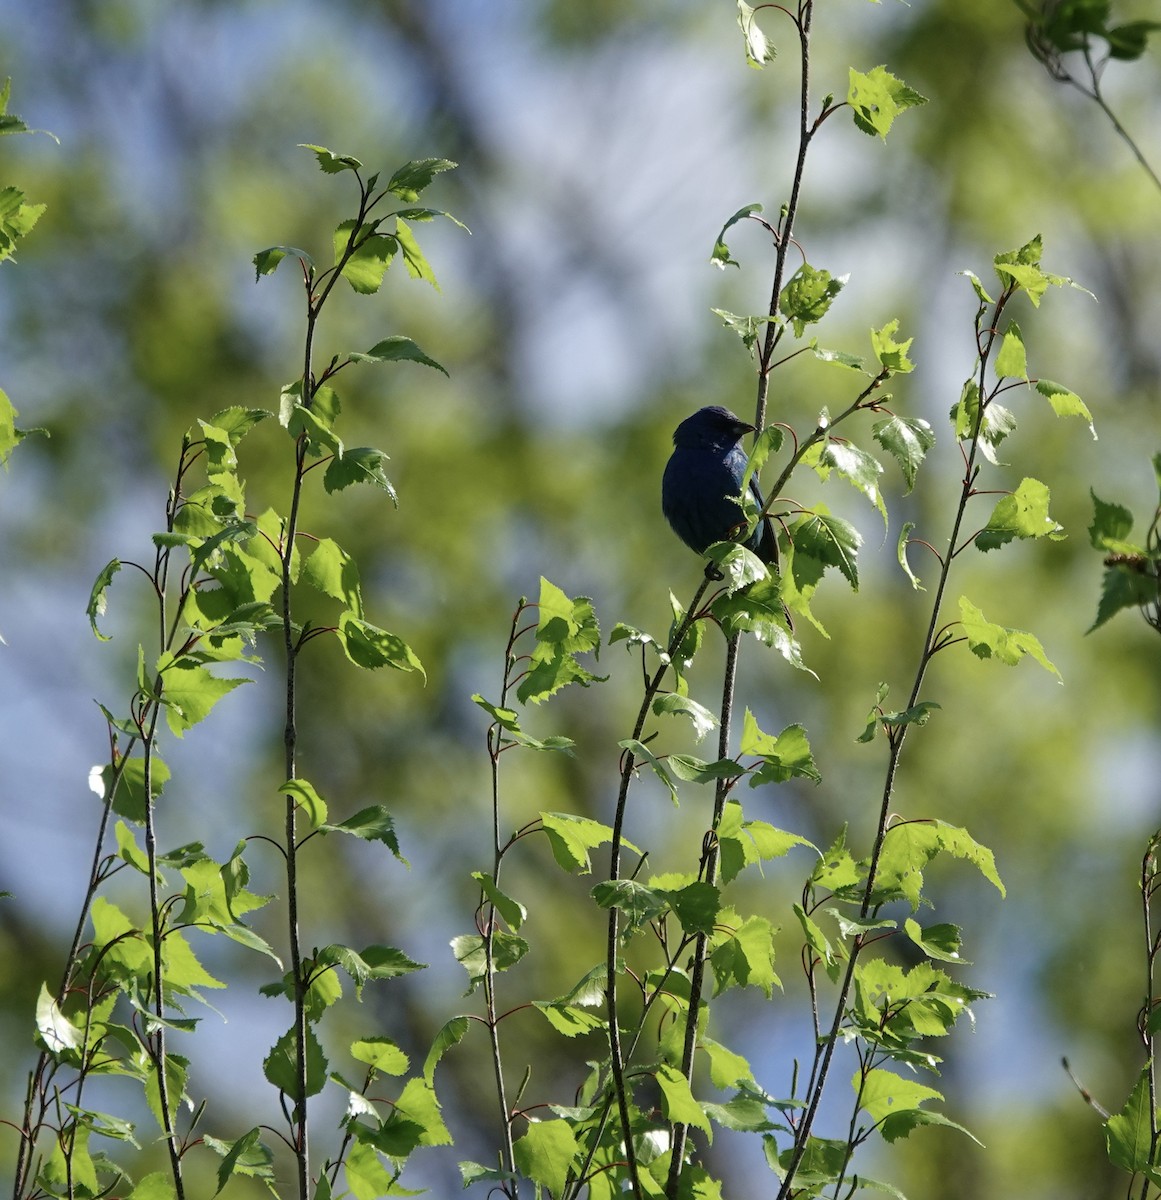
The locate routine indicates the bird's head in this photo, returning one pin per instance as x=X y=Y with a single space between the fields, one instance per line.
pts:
x=711 y=426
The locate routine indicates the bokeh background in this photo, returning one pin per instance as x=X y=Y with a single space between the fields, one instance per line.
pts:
x=601 y=147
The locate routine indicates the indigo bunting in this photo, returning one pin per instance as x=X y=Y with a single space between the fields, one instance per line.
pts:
x=702 y=484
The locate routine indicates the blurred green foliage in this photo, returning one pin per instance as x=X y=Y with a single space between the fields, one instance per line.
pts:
x=600 y=147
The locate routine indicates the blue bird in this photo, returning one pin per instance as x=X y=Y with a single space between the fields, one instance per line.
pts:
x=702 y=484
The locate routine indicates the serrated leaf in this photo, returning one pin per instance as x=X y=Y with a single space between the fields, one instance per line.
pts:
x=245 y=1156
x=859 y=468
x=907 y=440
x=786 y=756
x=307 y=800
x=97 y=598
x=1128 y=1134
x=671 y=703
x=1065 y=403
x=1021 y=514
x=829 y=540
x=266 y=261
x=1012 y=358
x=759 y=49
x=370 y=647
x=511 y=911
x=721 y=252
x=889 y=352
x=331 y=162
x=470 y=952
x=365 y=255
x=877 y=98
x=808 y=295
x=371 y=824
x=678 y=1101
x=451 y=1033
x=987 y=640
x=413 y=177
x=572 y=837
x=546 y=1152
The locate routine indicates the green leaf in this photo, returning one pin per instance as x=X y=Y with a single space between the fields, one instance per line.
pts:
x=1110 y=528
x=451 y=1033
x=839 y=357
x=280 y=1068
x=413 y=257
x=907 y=440
x=572 y=837
x=670 y=702
x=307 y=800
x=877 y=98
x=266 y=261
x=371 y=824
x=1065 y=403
x=739 y=567
x=372 y=962
x=129 y=799
x=565 y=628
x=57 y=1033
x=417 y=1107
x=189 y=692
x=1021 y=514
x=1021 y=268
x=97 y=599
x=509 y=721
x=1128 y=584
x=696 y=906
x=360 y=464
x=808 y=295
x=910 y=845
x=784 y=757
x=1128 y=1135
x=761 y=609
x=331 y=570
x=883 y=1093
x=695 y=770
x=858 y=467
x=978 y=287
x=636 y=902
x=413 y=177
x=370 y=647
x=677 y=1099
x=331 y=162
x=365 y=259
x=995 y=421
x=743 y=954
x=183 y=971
x=727 y=1068
x=570 y=1019
x=889 y=352
x=721 y=252
x=749 y=329
x=941 y=941
x=901 y=552
x=546 y=1153
x=1129 y=41
x=987 y=640
x=1012 y=359
x=366 y=1175
x=511 y=911
x=158 y=1185
x=829 y=540
x=759 y=50
x=245 y=1156
x=471 y=953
